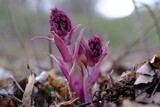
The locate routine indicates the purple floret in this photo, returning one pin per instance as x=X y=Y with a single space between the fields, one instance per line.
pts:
x=95 y=45
x=60 y=23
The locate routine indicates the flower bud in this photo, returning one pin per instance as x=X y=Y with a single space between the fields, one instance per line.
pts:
x=60 y=23
x=95 y=45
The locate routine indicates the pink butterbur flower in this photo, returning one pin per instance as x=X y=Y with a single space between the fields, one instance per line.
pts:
x=81 y=76
x=60 y=23
x=74 y=75
x=62 y=31
x=94 y=55
x=93 y=49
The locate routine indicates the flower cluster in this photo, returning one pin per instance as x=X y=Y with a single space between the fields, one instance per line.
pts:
x=95 y=45
x=60 y=22
x=80 y=76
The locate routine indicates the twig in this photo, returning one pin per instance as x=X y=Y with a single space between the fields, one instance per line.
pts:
x=16 y=99
x=17 y=83
x=50 y=51
x=31 y=71
x=111 y=79
x=157 y=84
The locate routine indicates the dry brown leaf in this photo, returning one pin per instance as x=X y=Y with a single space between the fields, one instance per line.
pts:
x=58 y=83
x=5 y=102
x=60 y=87
x=127 y=76
x=155 y=61
x=28 y=90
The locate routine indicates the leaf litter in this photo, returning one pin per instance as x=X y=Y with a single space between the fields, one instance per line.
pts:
x=136 y=87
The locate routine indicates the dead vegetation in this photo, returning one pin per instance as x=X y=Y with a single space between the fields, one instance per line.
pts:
x=138 y=87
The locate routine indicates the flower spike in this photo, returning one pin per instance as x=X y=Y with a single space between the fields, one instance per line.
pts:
x=93 y=49
x=60 y=23
x=96 y=68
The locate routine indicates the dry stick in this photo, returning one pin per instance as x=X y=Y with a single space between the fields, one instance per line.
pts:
x=15 y=99
x=16 y=33
x=155 y=88
x=157 y=85
x=153 y=15
x=50 y=51
x=140 y=25
x=17 y=84
x=111 y=78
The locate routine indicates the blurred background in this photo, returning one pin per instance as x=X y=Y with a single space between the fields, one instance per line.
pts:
x=132 y=27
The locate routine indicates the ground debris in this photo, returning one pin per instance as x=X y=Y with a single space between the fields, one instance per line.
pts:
x=58 y=86
x=26 y=99
x=135 y=87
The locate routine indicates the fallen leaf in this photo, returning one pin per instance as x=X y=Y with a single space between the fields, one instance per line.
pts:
x=128 y=77
x=143 y=79
x=42 y=77
x=146 y=69
x=155 y=61
x=5 y=74
x=6 y=77
x=5 y=102
x=28 y=90
x=60 y=87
